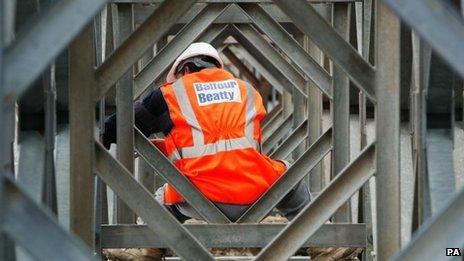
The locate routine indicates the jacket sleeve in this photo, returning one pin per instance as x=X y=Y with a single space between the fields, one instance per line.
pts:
x=151 y=115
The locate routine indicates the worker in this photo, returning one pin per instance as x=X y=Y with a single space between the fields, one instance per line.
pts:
x=211 y=122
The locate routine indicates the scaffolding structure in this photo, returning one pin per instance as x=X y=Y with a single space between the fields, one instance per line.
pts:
x=79 y=59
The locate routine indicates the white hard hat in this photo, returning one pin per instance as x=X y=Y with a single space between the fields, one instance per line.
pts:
x=195 y=49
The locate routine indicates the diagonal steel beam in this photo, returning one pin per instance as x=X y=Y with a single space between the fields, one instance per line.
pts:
x=145 y=205
x=155 y=27
x=290 y=46
x=173 y=49
x=241 y=67
x=313 y=216
x=270 y=116
x=27 y=223
x=274 y=74
x=274 y=124
x=173 y=176
x=270 y=141
x=331 y=43
x=272 y=55
x=312 y=156
x=258 y=62
x=442 y=231
x=35 y=48
x=438 y=23
x=291 y=143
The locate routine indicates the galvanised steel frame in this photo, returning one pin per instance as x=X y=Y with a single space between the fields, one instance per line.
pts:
x=106 y=53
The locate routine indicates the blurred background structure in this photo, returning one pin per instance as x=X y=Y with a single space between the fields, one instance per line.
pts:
x=365 y=97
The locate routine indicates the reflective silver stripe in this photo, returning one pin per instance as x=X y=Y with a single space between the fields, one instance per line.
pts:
x=199 y=148
x=250 y=113
x=174 y=156
x=216 y=147
x=187 y=111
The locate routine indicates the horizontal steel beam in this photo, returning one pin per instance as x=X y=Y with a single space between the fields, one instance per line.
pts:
x=295 y=138
x=37 y=230
x=143 y=203
x=331 y=43
x=313 y=216
x=442 y=231
x=233 y=235
x=290 y=46
x=438 y=23
x=161 y=62
x=272 y=55
x=171 y=174
x=36 y=47
x=310 y=158
x=132 y=49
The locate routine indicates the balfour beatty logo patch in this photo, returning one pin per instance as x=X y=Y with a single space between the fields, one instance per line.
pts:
x=217 y=92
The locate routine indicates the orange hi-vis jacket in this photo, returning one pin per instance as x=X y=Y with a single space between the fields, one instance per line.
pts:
x=216 y=137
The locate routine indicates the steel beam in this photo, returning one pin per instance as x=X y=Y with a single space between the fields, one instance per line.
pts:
x=241 y=67
x=443 y=231
x=272 y=140
x=135 y=46
x=5 y=107
x=388 y=133
x=49 y=193
x=171 y=174
x=273 y=56
x=421 y=71
x=289 y=179
x=32 y=164
x=81 y=120
x=438 y=23
x=296 y=137
x=341 y=16
x=261 y=61
x=270 y=116
x=287 y=43
x=143 y=203
x=27 y=224
x=331 y=43
x=316 y=178
x=314 y=215
x=31 y=52
x=233 y=235
x=268 y=72
x=160 y=63
x=122 y=20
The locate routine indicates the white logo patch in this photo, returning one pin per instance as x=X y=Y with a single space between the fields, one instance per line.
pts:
x=217 y=92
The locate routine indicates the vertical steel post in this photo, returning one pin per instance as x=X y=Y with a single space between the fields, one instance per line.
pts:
x=421 y=63
x=49 y=190
x=81 y=120
x=3 y=143
x=7 y=120
x=341 y=107
x=314 y=110
x=363 y=31
x=388 y=132
x=299 y=105
x=122 y=28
